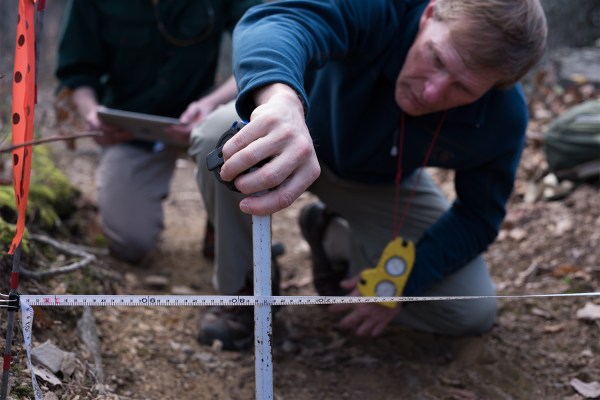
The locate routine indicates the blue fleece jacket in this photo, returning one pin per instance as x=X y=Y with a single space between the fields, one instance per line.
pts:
x=343 y=57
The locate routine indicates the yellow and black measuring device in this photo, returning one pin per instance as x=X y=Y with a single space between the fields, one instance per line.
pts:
x=389 y=276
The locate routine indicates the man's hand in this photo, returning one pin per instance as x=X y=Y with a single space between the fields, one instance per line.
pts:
x=84 y=99
x=277 y=131
x=110 y=134
x=367 y=319
x=198 y=110
x=194 y=114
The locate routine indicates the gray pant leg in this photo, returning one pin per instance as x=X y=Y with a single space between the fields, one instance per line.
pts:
x=132 y=184
x=233 y=229
x=369 y=210
x=456 y=317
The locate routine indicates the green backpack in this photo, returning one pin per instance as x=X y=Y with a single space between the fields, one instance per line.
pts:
x=571 y=143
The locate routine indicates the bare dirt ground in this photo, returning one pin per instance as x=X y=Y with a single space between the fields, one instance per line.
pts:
x=539 y=348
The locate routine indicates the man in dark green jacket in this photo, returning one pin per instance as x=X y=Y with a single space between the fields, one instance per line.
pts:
x=351 y=99
x=155 y=57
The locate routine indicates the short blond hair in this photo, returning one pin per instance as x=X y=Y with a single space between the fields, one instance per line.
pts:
x=503 y=36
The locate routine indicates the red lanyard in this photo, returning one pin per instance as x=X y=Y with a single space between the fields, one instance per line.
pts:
x=398 y=223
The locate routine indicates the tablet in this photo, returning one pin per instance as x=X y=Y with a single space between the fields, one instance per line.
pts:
x=145 y=127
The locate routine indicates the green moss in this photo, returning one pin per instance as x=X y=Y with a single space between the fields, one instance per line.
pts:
x=7 y=232
x=82 y=283
x=49 y=185
x=7 y=196
x=51 y=197
x=100 y=240
x=23 y=392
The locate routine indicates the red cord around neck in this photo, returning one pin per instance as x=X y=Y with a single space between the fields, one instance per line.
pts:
x=398 y=223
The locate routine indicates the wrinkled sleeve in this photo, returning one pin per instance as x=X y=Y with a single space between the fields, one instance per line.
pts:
x=279 y=42
x=472 y=223
x=81 y=54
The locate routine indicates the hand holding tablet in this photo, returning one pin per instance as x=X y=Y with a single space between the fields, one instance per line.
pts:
x=145 y=127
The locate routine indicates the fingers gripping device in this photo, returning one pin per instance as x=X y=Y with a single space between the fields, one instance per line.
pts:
x=389 y=276
x=214 y=159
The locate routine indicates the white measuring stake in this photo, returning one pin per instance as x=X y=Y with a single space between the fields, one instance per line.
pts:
x=261 y=238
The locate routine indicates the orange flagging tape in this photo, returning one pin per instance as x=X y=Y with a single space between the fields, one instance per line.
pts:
x=23 y=104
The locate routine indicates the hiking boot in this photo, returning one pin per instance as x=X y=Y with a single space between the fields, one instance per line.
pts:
x=233 y=326
x=314 y=220
x=208 y=245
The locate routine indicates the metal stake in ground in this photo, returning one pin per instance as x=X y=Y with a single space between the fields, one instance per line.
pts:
x=261 y=238
x=261 y=243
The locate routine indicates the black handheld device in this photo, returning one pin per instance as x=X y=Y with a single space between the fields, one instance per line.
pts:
x=214 y=159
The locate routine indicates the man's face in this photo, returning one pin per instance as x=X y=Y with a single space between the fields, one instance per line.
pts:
x=434 y=76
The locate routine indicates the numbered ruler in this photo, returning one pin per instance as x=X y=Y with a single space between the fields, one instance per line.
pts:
x=46 y=300
x=205 y=301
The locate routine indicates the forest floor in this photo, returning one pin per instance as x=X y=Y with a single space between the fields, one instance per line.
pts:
x=539 y=347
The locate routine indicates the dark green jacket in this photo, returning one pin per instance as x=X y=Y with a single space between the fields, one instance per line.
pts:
x=116 y=47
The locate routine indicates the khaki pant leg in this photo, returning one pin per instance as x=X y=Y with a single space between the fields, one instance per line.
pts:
x=233 y=229
x=132 y=183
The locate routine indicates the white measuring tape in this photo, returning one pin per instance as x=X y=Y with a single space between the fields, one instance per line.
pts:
x=67 y=300
x=27 y=321
x=30 y=301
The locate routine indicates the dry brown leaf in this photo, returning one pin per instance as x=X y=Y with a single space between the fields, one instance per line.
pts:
x=563 y=270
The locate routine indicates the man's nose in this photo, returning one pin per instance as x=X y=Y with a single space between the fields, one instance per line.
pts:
x=436 y=88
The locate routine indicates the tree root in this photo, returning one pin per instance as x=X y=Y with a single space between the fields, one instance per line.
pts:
x=87 y=257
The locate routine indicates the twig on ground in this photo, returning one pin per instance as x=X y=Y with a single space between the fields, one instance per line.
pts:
x=49 y=139
x=525 y=275
x=67 y=248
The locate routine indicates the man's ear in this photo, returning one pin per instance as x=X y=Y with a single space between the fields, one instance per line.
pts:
x=427 y=14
